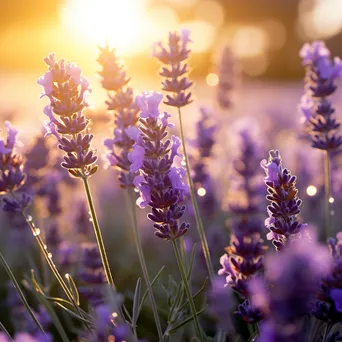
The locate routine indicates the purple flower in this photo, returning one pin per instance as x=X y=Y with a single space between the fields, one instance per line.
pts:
x=67 y=122
x=292 y=277
x=175 y=69
x=125 y=112
x=160 y=182
x=316 y=106
x=148 y=103
x=228 y=78
x=336 y=296
x=284 y=209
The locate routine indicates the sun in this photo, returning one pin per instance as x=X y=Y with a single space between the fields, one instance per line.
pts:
x=118 y=22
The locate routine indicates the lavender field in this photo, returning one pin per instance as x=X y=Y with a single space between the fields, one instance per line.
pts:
x=158 y=194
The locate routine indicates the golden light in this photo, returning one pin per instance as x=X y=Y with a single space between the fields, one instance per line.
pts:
x=202 y=34
x=201 y=192
x=250 y=41
x=255 y=66
x=320 y=18
x=97 y=21
x=210 y=11
x=212 y=79
x=311 y=190
x=331 y=200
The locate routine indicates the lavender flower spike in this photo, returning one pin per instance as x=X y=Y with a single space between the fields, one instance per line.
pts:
x=65 y=86
x=320 y=84
x=284 y=208
x=160 y=182
x=175 y=70
x=125 y=111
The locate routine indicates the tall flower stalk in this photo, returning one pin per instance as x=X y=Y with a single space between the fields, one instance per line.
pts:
x=121 y=103
x=160 y=181
x=66 y=87
x=175 y=72
x=284 y=207
x=318 y=111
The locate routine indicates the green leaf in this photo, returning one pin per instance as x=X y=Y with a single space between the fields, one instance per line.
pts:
x=196 y=294
x=73 y=288
x=187 y=320
x=136 y=300
x=146 y=292
x=193 y=253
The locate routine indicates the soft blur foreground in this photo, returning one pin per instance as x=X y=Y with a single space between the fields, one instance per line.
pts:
x=267 y=84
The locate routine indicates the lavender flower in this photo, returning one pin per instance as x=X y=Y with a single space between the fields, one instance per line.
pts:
x=329 y=304
x=12 y=176
x=175 y=70
x=227 y=72
x=125 y=111
x=200 y=159
x=320 y=84
x=65 y=86
x=106 y=327
x=160 y=182
x=92 y=275
x=293 y=277
x=246 y=249
x=284 y=208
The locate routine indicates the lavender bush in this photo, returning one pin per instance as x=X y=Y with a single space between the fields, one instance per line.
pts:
x=63 y=289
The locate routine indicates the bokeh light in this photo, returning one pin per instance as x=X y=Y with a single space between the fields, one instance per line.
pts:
x=212 y=79
x=311 y=190
x=320 y=19
x=210 y=11
x=201 y=192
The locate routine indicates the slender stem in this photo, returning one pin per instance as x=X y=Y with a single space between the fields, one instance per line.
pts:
x=187 y=290
x=143 y=264
x=3 y=329
x=199 y=224
x=98 y=234
x=20 y=292
x=327 y=185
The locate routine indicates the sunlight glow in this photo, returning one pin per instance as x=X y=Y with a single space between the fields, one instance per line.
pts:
x=320 y=18
x=97 y=21
x=311 y=190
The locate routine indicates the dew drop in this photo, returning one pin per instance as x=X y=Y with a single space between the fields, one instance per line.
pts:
x=29 y=218
x=50 y=255
x=90 y=219
x=36 y=232
x=45 y=247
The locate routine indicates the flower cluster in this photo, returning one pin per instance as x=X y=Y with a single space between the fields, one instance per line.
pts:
x=66 y=87
x=329 y=304
x=12 y=176
x=284 y=208
x=227 y=72
x=92 y=275
x=293 y=277
x=160 y=182
x=22 y=321
x=121 y=103
x=320 y=84
x=175 y=68
x=106 y=327
x=246 y=249
x=200 y=159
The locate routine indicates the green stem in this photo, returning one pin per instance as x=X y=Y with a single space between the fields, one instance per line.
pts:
x=199 y=224
x=20 y=292
x=327 y=186
x=98 y=234
x=4 y=330
x=187 y=290
x=143 y=264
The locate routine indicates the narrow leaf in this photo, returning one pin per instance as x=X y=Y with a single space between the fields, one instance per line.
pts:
x=73 y=288
x=136 y=300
